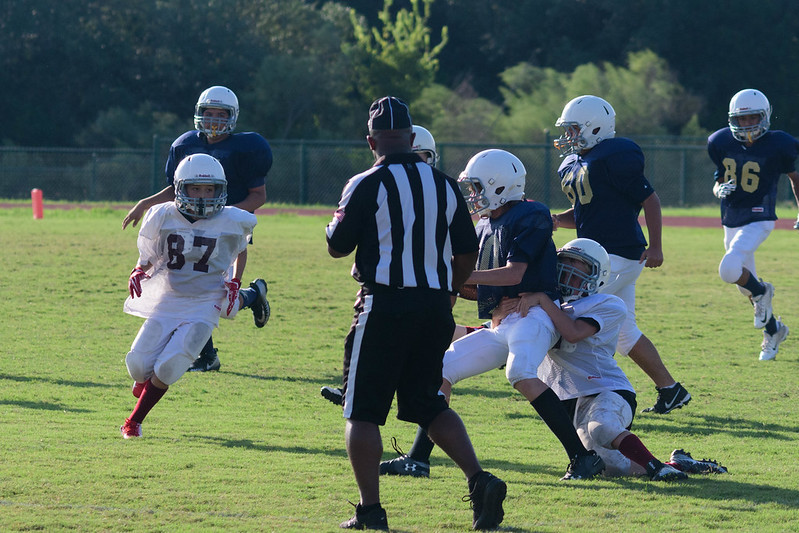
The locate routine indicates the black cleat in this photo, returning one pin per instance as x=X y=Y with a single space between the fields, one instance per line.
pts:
x=206 y=363
x=683 y=460
x=332 y=394
x=669 y=399
x=260 y=307
x=486 y=498
x=584 y=467
x=668 y=472
x=374 y=518
x=404 y=465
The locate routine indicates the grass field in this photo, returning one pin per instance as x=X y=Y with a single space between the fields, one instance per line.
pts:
x=255 y=448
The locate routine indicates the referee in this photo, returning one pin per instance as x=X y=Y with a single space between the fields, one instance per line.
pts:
x=416 y=245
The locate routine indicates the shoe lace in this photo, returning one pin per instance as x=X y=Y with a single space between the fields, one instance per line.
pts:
x=396 y=446
x=572 y=464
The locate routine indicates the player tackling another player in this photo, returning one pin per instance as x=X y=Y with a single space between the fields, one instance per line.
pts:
x=180 y=284
x=582 y=371
x=749 y=161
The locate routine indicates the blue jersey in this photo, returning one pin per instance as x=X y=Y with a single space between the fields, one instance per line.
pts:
x=607 y=186
x=246 y=158
x=523 y=234
x=756 y=170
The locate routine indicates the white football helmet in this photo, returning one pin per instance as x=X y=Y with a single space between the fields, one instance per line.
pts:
x=586 y=121
x=573 y=283
x=749 y=102
x=200 y=169
x=216 y=97
x=425 y=145
x=491 y=179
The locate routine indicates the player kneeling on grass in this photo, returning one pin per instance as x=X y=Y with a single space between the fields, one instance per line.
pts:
x=581 y=369
x=182 y=282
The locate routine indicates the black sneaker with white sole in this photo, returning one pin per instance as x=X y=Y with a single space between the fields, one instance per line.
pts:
x=332 y=394
x=206 y=363
x=683 y=460
x=669 y=399
x=260 y=307
x=668 y=472
x=404 y=465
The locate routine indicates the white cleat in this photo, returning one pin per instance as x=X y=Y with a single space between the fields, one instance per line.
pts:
x=771 y=343
x=762 y=305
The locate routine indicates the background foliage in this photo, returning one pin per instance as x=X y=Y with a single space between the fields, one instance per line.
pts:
x=113 y=73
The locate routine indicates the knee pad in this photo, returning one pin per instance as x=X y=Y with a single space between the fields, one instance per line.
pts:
x=601 y=433
x=137 y=367
x=606 y=418
x=180 y=352
x=170 y=370
x=731 y=268
x=616 y=464
x=144 y=351
x=522 y=368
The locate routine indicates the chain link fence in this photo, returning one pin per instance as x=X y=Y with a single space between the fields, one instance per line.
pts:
x=314 y=172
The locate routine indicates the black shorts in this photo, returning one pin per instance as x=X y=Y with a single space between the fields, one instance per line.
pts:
x=396 y=344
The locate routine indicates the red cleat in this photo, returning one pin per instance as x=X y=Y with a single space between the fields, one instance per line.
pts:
x=130 y=429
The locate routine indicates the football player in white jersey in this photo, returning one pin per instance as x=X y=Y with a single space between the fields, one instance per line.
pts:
x=192 y=253
x=581 y=369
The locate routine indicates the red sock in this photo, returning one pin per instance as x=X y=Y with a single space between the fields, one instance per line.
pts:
x=632 y=448
x=149 y=397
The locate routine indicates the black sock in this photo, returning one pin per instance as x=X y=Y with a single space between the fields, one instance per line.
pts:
x=364 y=509
x=554 y=414
x=248 y=297
x=754 y=286
x=207 y=353
x=422 y=446
x=771 y=326
x=472 y=481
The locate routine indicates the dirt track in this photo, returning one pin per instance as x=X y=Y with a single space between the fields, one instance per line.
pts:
x=692 y=222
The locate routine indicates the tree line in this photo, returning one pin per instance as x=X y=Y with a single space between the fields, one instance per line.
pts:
x=85 y=73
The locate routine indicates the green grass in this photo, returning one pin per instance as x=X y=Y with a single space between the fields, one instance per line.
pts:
x=255 y=448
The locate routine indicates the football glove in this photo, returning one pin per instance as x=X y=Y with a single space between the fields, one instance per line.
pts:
x=796 y=224
x=233 y=287
x=134 y=283
x=723 y=190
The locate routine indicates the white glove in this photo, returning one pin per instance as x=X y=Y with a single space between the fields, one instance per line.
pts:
x=796 y=224
x=723 y=190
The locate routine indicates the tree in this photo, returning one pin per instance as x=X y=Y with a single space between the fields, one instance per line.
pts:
x=456 y=115
x=398 y=58
x=647 y=97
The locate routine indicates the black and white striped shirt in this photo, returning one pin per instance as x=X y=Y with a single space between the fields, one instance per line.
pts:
x=407 y=219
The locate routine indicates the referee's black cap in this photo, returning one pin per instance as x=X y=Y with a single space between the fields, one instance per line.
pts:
x=389 y=113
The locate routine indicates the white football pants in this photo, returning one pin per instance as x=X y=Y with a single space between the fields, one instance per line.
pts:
x=623 y=275
x=740 y=245
x=166 y=348
x=520 y=343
